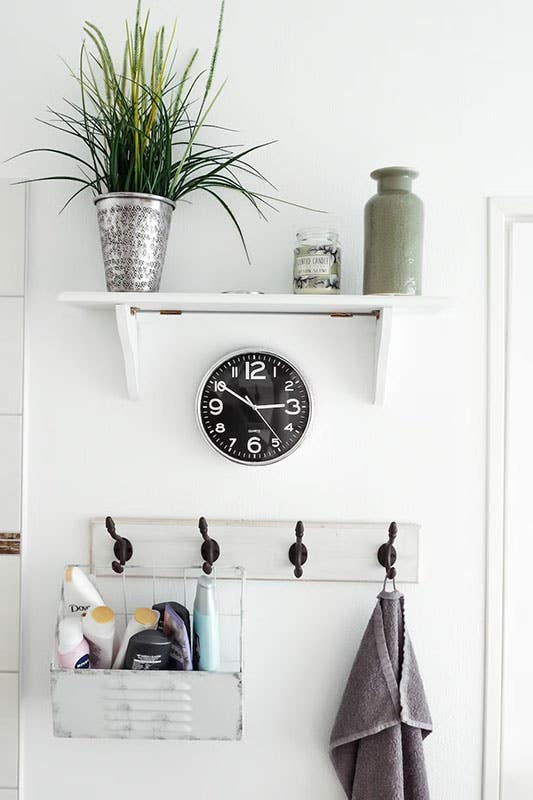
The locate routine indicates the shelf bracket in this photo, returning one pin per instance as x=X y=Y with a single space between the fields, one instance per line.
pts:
x=126 y=316
x=383 y=336
x=129 y=340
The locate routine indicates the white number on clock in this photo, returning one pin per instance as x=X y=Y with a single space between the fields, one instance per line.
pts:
x=252 y=371
x=295 y=404
x=216 y=406
x=254 y=444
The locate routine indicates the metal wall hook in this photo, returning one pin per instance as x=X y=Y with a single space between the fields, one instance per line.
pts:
x=123 y=548
x=298 y=551
x=210 y=550
x=387 y=554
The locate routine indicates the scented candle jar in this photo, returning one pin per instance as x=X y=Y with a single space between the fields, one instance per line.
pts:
x=317 y=262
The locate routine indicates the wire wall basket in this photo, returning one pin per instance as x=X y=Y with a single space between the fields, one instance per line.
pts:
x=129 y=704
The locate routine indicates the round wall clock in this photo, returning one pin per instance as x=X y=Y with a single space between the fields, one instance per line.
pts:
x=254 y=407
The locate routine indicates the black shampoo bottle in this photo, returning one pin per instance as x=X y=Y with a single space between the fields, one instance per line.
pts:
x=148 y=650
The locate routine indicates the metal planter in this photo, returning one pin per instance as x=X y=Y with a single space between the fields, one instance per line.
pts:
x=134 y=231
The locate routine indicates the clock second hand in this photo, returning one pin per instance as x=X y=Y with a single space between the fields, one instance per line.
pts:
x=256 y=408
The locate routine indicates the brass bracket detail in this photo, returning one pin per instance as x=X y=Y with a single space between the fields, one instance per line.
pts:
x=163 y=311
x=342 y=314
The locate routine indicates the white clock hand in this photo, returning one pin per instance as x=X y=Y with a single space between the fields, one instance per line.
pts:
x=267 y=423
x=272 y=405
x=246 y=400
x=256 y=408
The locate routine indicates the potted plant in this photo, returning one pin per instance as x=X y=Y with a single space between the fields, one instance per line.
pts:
x=139 y=127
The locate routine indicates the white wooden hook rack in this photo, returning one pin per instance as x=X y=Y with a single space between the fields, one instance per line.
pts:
x=338 y=551
x=128 y=305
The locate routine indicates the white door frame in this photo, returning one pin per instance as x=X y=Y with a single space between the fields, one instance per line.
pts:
x=503 y=213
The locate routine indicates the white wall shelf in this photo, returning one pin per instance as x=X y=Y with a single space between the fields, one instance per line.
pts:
x=127 y=305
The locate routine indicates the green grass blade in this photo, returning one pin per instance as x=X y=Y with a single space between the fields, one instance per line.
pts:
x=233 y=218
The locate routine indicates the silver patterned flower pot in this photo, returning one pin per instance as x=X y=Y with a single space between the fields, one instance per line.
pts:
x=134 y=230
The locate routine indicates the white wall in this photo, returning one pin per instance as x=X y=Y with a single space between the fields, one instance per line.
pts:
x=345 y=88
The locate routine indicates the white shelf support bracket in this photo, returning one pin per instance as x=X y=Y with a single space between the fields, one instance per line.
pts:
x=128 y=305
x=383 y=336
x=128 y=333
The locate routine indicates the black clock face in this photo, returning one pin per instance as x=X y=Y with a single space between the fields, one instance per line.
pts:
x=254 y=407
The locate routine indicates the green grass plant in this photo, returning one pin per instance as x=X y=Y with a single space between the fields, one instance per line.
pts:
x=145 y=127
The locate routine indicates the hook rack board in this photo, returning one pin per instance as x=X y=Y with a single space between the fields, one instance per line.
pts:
x=338 y=551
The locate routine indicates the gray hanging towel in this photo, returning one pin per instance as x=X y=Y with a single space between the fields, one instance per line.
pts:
x=376 y=742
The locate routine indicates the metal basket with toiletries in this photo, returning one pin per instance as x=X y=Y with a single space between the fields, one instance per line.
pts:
x=153 y=653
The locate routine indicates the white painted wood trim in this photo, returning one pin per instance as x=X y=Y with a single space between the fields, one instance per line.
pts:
x=129 y=341
x=383 y=337
x=338 y=551
x=503 y=213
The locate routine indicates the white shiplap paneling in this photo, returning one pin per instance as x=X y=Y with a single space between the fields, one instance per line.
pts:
x=10 y=473
x=9 y=612
x=11 y=327
x=9 y=724
x=12 y=238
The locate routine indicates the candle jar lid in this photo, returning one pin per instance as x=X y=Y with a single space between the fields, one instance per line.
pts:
x=317 y=235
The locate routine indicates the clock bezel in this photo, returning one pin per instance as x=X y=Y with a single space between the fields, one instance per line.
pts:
x=243 y=352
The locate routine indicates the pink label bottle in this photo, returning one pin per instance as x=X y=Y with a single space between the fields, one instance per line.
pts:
x=72 y=648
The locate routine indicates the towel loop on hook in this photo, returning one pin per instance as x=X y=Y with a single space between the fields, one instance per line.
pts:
x=210 y=550
x=387 y=556
x=123 y=548
x=298 y=551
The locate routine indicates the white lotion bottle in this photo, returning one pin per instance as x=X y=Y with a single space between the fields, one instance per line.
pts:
x=98 y=626
x=79 y=593
x=205 y=626
x=143 y=619
x=72 y=648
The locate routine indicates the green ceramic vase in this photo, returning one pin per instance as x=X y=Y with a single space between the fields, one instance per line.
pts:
x=394 y=232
